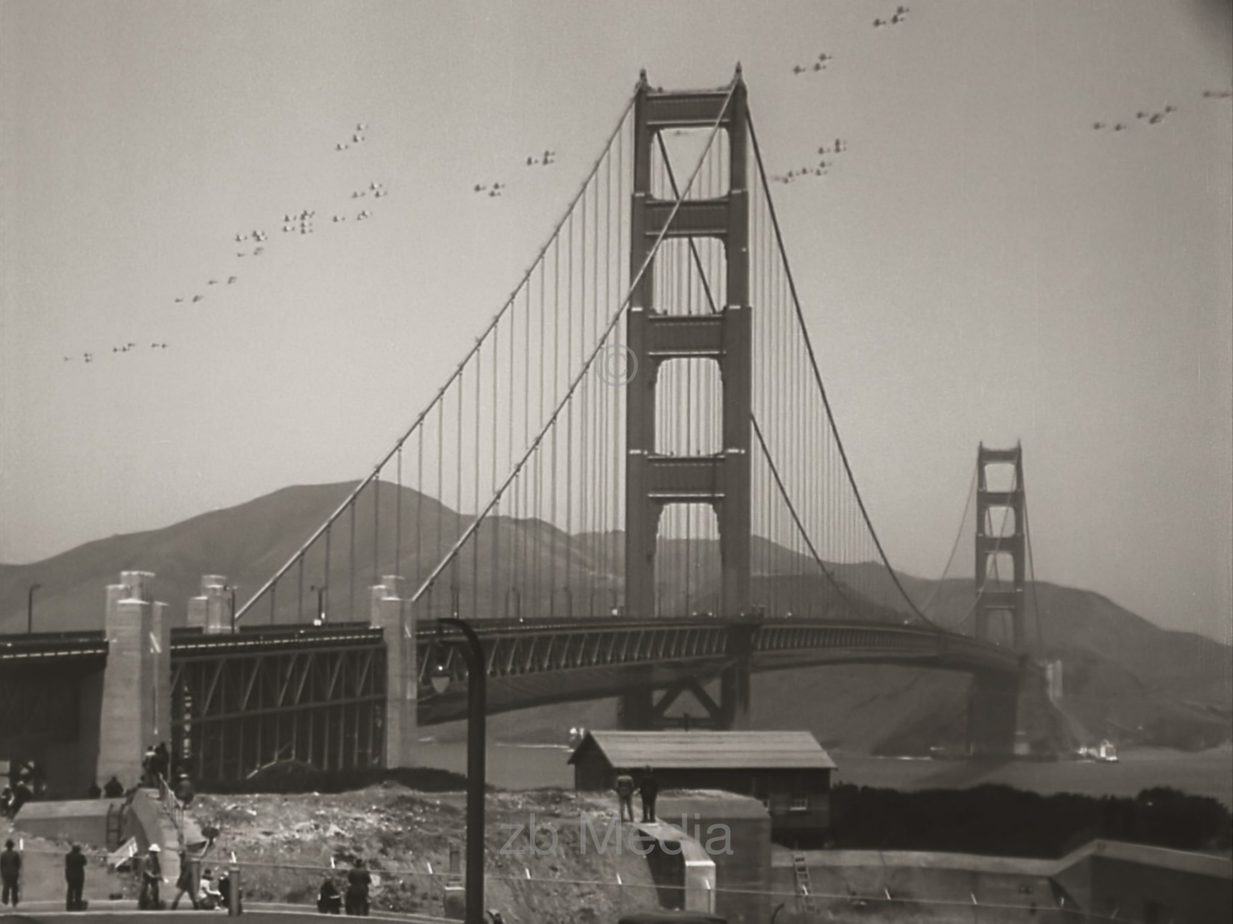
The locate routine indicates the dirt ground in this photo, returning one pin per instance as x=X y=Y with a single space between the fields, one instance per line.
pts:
x=286 y=843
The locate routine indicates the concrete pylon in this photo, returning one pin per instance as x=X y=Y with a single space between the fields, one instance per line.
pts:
x=391 y=613
x=211 y=611
x=136 y=697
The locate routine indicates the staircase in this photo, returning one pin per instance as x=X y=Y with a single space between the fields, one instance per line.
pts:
x=804 y=889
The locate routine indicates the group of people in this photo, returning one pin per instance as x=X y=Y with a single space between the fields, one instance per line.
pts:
x=205 y=892
x=646 y=786
x=354 y=899
x=13 y=797
x=25 y=783
x=74 y=877
x=112 y=789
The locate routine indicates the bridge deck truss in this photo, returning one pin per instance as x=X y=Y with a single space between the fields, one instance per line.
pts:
x=244 y=704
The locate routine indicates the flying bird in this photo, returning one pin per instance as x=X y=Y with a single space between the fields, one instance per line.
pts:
x=231 y=280
x=197 y=298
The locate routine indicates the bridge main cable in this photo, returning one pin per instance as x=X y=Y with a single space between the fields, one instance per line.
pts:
x=817 y=377
x=348 y=503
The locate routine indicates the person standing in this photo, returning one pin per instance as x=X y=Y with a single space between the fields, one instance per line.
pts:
x=328 y=899
x=648 y=789
x=184 y=883
x=358 y=882
x=625 y=794
x=74 y=878
x=151 y=879
x=10 y=875
x=148 y=760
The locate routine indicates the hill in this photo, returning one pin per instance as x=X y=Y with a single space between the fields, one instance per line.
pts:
x=1125 y=678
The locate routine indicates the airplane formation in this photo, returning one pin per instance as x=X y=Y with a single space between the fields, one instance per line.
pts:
x=816 y=66
x=820 y=169
x=300 y=222
x=297 y=222
x=1142 y=117
x=899 y=16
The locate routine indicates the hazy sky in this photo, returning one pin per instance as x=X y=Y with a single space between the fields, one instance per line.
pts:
x=980 y=265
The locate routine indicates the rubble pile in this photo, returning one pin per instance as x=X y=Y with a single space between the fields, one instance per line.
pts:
x=551 y=855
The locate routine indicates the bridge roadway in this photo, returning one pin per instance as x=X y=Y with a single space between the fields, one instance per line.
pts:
x=536 y=662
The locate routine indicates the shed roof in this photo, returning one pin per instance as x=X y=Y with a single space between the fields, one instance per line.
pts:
x=746 y=750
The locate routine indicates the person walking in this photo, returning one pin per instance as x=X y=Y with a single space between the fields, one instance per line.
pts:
x=185 y=884
x=625 y=794
x=10 y=875
x=358 y=882
x=648 y=788
x=151 y=879
x=74 y=878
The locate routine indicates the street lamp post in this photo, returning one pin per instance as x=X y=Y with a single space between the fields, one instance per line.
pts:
x=320 y=601
x=476 y=741
x=30 y=607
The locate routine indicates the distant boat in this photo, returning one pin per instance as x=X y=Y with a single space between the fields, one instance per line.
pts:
x=1105 y=752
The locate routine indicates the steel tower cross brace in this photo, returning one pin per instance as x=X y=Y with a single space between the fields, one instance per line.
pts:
x=655 y=335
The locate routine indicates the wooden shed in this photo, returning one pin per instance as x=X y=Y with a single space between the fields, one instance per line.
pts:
x=787 y=770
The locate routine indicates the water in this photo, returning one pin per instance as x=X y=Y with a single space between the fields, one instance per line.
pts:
x=1205 y=773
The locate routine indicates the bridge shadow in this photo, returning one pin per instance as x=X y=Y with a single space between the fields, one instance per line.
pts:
x=962 y=773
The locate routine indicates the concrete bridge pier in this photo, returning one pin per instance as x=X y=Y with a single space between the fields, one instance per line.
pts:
x=993 y=713
x=211 y=611
x=391 y=612
x=135 y=711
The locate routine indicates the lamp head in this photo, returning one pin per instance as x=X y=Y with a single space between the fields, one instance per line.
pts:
x=439 y=677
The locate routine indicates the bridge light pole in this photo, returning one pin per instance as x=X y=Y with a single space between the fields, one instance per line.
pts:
x=30 y=607
x=473 y=651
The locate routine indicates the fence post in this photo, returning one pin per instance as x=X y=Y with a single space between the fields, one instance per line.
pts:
x=235 y=907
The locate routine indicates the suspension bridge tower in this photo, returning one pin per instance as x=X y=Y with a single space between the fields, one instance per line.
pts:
x=993 y=698
x=655 y=335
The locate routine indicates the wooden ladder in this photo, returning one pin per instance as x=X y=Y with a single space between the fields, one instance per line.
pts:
x=804 y=890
